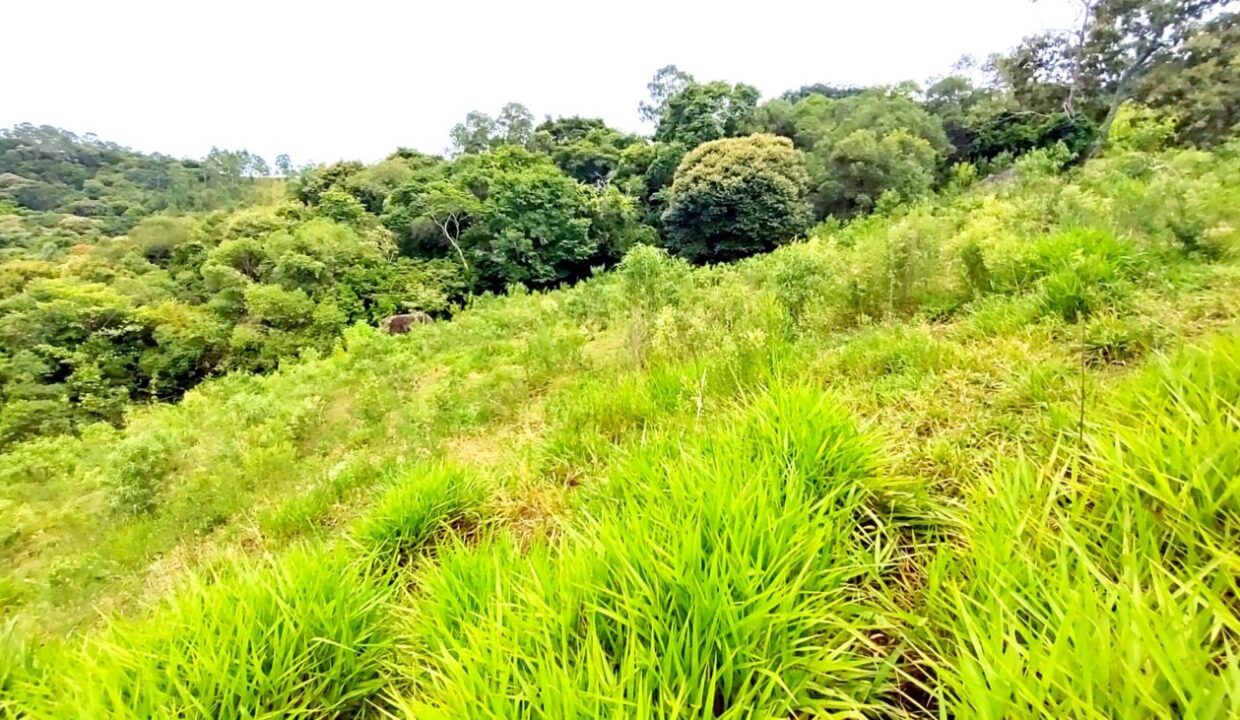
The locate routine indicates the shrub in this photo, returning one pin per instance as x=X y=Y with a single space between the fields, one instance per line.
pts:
x=802 y=276
x=1139 y=128
x=1110 y=338
x=137 y=470
x=736 y=197
x=651 y=278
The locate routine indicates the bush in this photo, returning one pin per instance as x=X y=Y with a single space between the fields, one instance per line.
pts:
x=736 y=197
x=136 y=471
x=651 y=279
x=1139 y=128
x=801 y=279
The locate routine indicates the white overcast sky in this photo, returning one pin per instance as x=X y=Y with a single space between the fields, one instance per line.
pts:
x=329 y=80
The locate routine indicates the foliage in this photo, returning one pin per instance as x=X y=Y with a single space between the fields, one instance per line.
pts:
x=667 y=81
x=861 y=146
x=1094 y=70
x=856 y=475
x=304 y=637
x=736 y=197
x=954 y=454
x=827 y=90
x=512 y=216
x=1140 y=128
x=1007 y=135
x=820 y=121
x=700 y=113
x=533 y=227
x=513 y=126
x=71 y=189
x=586 y=150
x=152 y=314
x=1200 y=85
x=862 y=167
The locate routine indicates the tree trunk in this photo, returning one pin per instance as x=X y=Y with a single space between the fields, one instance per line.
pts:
x=1104 y=130
x=451 y=236
x=1123 y=90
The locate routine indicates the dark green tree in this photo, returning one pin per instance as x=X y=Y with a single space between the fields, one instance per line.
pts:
x=1200 y=84
x=1093 y=70
x=736 y=197
x=701 y=113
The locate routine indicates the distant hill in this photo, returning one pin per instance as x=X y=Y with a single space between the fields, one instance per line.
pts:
x=69 y=187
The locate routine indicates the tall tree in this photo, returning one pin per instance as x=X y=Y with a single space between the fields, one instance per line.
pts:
x=701 y=113
x=480 y=132
x=1200 y=87
x=284 y=165
x=450 y=207
x=515 y=125
x=1117 y=44
x=472 y=136
x=667 y=81
x=256 y=166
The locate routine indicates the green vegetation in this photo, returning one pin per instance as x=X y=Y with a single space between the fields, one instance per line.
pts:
x=968 y=447
x=847 y=476
x=736 y=197
x=127 y=279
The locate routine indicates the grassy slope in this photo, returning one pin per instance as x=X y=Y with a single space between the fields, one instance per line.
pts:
x=849 y=476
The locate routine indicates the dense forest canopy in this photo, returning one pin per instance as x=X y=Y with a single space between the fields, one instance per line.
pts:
x=129 y=277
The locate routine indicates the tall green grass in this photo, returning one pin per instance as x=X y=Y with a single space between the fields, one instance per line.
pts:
x=423 y=503
x=1103 y=583
x=730 y=573
x=305 y=637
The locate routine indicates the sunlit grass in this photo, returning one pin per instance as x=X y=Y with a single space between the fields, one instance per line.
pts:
x=304 y=637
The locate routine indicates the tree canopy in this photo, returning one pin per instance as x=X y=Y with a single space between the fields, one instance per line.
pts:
x=735 y=197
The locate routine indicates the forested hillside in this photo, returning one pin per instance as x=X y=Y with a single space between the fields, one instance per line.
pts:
x=129 y=278
x=904 y=401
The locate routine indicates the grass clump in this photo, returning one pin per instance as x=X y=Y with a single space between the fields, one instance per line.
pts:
x=724 y=574
x=1170 y=453
x=420 y=506
x=1103 y=585
x=304 y=637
